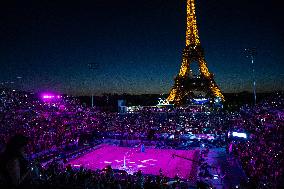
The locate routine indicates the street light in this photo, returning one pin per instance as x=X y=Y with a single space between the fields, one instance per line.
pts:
x=20 y=82
x=251 y=53
x=92 y=67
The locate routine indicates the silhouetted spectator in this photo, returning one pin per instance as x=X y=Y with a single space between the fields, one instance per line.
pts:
x=13 y=165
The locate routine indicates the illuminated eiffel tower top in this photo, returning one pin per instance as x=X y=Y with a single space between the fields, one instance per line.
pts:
x=192 y=37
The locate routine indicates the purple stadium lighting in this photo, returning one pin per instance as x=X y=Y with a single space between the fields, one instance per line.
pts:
x=50 y=96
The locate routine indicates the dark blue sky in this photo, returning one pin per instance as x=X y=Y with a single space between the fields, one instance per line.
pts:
x=136 y=45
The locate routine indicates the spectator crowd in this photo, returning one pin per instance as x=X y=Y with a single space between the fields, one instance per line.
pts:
x=55 y=125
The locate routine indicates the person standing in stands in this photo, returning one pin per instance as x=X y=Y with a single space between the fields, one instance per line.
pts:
x=14 y=172
x=142 y=148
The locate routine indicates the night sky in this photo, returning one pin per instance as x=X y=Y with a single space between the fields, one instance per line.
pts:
x=135 y=46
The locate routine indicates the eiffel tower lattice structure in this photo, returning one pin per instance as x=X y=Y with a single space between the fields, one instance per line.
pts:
x=187 y=85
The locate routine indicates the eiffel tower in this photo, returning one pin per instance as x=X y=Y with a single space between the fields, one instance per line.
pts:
x=188 y=86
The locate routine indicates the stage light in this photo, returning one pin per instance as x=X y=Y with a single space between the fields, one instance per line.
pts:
x=240 y=135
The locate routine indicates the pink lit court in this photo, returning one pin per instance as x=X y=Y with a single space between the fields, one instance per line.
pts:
x=149 y=162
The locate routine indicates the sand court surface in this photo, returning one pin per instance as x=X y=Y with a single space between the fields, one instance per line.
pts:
x=132 y=160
